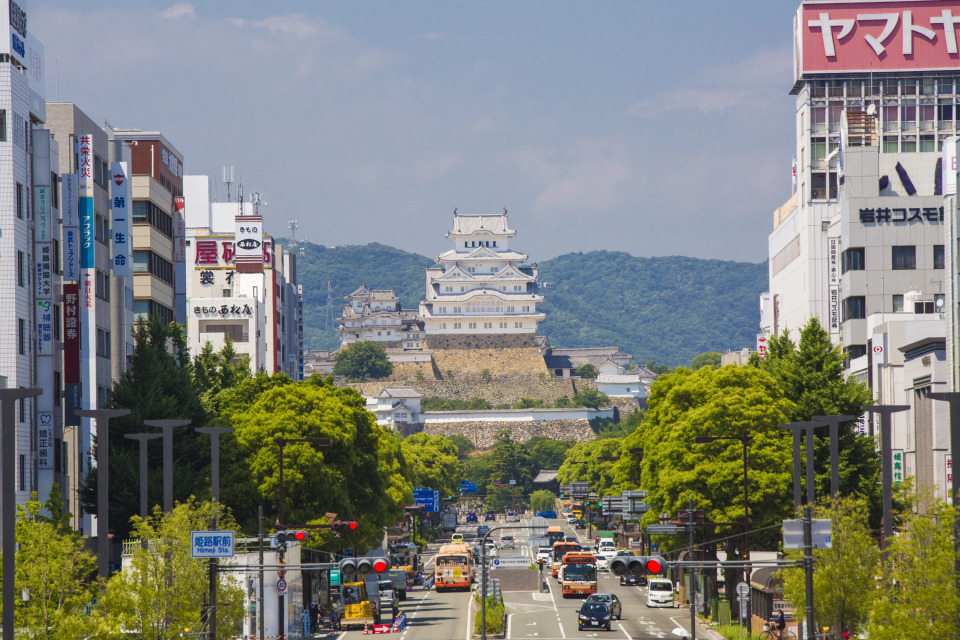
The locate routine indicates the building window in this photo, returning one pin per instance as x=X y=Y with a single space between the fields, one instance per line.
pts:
x=20 y=201
x=456 y=325
x=473 y=325
x=103 y=285
x=904 y=258
x=853 y=259
x=57 y=389
x=145 y=260
x=854 y=308
x=897 y=302
x=146 y=212
x=22 y=336
x=56 y=322
x=101 y=231
x=21 y=269
x=23 y=472
x=855 y=351
x=56 y=258
x=103 y=343
x=3 y=125
x=938 y=256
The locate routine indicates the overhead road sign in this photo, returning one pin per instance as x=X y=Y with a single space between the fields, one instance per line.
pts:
x=468 y=487
x=662 y=529
x=211 y=544
x=820 y=534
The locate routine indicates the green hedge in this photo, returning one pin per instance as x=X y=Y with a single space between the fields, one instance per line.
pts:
x=496 y=622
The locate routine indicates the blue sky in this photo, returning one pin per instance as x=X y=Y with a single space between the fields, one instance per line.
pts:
x=652 y=128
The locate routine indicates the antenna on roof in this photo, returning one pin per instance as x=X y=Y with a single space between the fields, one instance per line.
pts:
x=293 y=224
x=256 y=201
x=228 y=178
x=504 y=211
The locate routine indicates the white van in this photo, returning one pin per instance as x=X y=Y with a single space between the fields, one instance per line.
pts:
x=660 y=593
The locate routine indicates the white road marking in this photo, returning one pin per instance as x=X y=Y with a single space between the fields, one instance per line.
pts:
x=562 y=634
x=620 y=624
x=470 y=619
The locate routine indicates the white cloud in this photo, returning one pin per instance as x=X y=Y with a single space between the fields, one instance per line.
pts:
x=723 y=86
x=179 y=10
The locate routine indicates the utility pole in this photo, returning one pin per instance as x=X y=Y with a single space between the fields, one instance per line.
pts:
x=886 y=468
x=260 y=630
x=808 y=569
x=693 y=575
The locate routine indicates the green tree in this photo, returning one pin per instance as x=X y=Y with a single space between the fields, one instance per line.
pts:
x=157 y=383
x=542 y=500
x=918 y=597
x=547 y=453
x=587 y=371
x=432 y=462
x=53 y=567
x=732 y=401
x=345 y=477
x=708 y=359
x=844 y=584
x=590 y=398
x=362 y=360
x=529 y=403
x=811 y=376
x=158 y=597
x=659 y=369
x=589 y=462
x=511 y=461
x=463 y=445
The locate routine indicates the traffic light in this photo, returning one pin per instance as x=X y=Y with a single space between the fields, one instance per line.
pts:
x=343 y=526
x=348 y=567
x=363 y=566
x=637 y=565
x=283 y=537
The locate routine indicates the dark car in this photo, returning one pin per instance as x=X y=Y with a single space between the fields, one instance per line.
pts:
x=594 y=615
x=609 y=599
x=547 y=514
x=580 y=524
x=471 y=517
x=482 y=530
x=490 y=515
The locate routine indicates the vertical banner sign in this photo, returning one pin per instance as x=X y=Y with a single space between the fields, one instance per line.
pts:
x=44 y=319
x=45 y=440
x=897 y=466
x=762 y=346
x=41 y=210
x=120 y=226
x=88 y=327
x=249 y=246
x=948 y=477
x=71 y=353
x=833 y=275
x=70 y=227
x=949 y=166
x=179 y=230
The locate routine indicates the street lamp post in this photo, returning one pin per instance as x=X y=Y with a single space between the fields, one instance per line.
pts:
x=281 y=443
x=886 y=468
x=796 y=427
x=103 y=416
x=8 y=498
x=214 y=433
x=168 y=426
x=834 y=422
x=745 y=440
x=953 y=399
x=143 y=438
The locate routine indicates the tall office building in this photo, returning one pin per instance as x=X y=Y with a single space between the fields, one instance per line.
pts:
x=860 y=242
x=29 y=257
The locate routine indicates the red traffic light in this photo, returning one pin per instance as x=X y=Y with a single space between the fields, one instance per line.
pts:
x=380 y=565
x=654 y=565
x=352 y=525
x=299 y=536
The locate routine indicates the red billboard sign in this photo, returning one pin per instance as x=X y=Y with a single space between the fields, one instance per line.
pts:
x=71 y=333
x=877 y=36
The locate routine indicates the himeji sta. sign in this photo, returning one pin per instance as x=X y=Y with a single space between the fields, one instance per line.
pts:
x=877 y=36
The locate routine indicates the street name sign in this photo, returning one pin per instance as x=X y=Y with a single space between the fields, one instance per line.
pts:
x=821 y=536
x=662 y=529
x=211 y=544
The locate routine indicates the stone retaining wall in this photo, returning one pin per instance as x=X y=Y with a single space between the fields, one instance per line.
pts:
x=496 y=391
x=481 y=341
x=496 y=361
x=483 y=434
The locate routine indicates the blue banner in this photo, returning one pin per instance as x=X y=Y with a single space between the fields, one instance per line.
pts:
x=87 y=251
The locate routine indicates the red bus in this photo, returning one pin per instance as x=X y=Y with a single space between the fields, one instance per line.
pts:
x=578 y=574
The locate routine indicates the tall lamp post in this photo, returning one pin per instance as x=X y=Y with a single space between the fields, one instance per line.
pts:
x=886 y=469
x=168 y=426
x=8 y=498
x=834 y=422
x=953 y=399
x=745 y=440
x=103 y=416
x=281 y=443
x=143 y=439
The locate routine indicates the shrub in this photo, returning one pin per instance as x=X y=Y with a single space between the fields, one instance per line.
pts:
x=495 y=619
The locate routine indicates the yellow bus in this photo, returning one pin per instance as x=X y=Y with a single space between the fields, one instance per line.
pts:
x=555 y=534
x=560 y=549
x=453 y=567
x=578 y=575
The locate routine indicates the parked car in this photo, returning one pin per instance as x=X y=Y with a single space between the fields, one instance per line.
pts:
x=507 y=542
x=549 y=515
x=593 y=615
x=660 y=593
x=616 y=608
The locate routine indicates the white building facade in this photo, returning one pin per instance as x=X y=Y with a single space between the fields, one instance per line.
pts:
x=252 y=300
x=481 y=286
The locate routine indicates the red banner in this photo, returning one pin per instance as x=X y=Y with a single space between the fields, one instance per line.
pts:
x=878 y=36
x=71 y=333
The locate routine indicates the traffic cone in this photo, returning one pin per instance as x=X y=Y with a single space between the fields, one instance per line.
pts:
x=366 y=630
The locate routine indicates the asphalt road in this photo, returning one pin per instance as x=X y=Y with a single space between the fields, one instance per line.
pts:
x=532 y=615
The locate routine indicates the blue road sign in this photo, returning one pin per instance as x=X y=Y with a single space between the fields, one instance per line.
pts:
x=468 y=487
x=429 y=498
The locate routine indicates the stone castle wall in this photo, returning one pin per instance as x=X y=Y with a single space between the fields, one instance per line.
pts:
x=496 y=361
x=481 y=341
x=496 y=391
x=484 y=434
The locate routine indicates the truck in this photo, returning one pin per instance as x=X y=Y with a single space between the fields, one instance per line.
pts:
x=403 y=556
x=358 y=606
x=449 y=521
x=399 y=579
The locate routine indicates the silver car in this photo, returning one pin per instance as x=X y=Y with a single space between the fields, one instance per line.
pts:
x=507 y=542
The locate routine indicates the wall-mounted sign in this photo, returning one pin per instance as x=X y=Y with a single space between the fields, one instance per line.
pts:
x=901 y=216
x=44 y=320
x=876 y=36
x=45 y=440
x=219 y=253
x=44 y=275
x=897 y=456
x=41 y=210
x=224 y=310
x=249 y=244
x=121 y=227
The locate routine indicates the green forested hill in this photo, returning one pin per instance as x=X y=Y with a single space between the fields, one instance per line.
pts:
x=665 y=309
